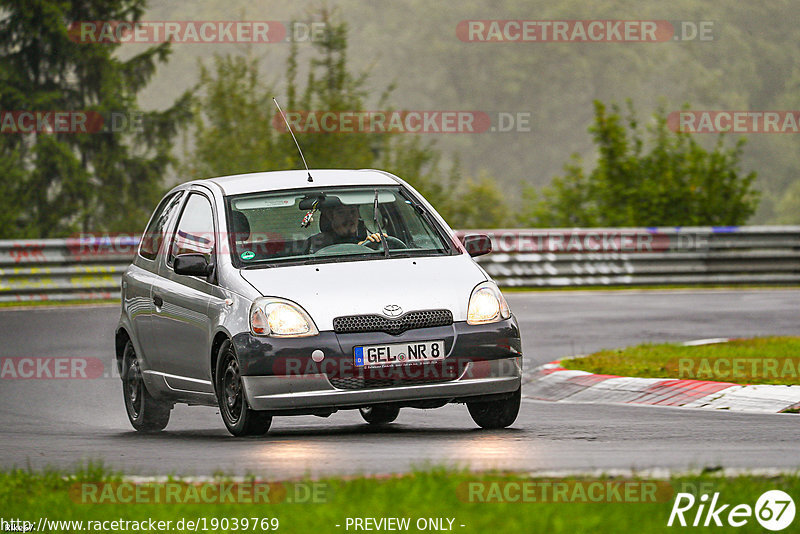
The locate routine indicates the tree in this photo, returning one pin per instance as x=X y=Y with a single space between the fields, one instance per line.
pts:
x=73 y=181
x=788 y=208
x=667 y=179
x=237 y=129
x=11 y=175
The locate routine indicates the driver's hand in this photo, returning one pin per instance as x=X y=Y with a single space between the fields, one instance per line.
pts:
x=375 y=238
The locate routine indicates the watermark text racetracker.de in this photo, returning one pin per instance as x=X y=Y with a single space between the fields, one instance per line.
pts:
x=405 y=121
x=51 y=368
x=584 y=31
x=592 y=241
x=210 y=492
x=739 y=369
x=565 y=491
x=196 y=31
x=734 y=121
x=568 y=241
x=70 y=121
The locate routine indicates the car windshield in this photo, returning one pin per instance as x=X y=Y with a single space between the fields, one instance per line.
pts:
x=330 y=224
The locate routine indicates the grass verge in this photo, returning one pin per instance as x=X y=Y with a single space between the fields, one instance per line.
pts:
x=764 y=360
x=481 y=502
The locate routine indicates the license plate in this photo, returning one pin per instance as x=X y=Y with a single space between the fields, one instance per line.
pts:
x=399 y=353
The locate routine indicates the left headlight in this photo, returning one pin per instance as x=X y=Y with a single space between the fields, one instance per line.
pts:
x=487 y=305
x=280 y=318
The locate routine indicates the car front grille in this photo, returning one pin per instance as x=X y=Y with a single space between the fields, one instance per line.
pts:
x=353 y=324
x=373 y=383
x=399 y=376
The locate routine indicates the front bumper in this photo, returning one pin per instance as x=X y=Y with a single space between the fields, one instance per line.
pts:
x=280 y=374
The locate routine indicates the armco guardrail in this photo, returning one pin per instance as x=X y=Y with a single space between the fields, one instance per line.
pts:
x=87 y=268
x=644 y=256
x=90 y=268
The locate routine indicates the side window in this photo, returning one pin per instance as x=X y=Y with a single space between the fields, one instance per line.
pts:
x=154 y=235
x=195 y=230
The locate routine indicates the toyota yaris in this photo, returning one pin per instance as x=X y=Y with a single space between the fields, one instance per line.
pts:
x=294 y=293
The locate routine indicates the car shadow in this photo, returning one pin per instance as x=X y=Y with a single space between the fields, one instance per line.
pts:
x=395 y=430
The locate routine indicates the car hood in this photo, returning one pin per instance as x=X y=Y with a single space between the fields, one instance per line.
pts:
x=330 y=290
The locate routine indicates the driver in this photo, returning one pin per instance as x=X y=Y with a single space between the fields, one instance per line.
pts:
x=340 y=224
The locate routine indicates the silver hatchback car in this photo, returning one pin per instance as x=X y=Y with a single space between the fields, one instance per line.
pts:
x=294 y=293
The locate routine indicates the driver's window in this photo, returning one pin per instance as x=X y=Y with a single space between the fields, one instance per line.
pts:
x=195 y=230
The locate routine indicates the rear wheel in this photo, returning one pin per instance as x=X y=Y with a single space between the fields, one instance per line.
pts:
x=496 y=414
x=379 y=414
x=237 y=415
x=145 y=413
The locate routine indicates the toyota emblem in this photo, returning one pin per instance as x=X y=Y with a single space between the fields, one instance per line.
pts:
x=392 y=310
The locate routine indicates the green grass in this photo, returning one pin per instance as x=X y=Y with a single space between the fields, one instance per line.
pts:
x=765 y=360
x=434 y=493
x=39 y=303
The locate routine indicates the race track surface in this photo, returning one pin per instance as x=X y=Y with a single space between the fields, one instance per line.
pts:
x=61 y=423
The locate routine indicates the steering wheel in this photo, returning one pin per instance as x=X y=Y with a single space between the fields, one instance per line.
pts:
x=391 y=242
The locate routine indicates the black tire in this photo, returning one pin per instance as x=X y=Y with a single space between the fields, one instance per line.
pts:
x=496 y=414
x=237 y=415
x=145 y=413
x=379 y=414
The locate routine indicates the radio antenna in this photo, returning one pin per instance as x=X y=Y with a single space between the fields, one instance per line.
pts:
x=310 y=179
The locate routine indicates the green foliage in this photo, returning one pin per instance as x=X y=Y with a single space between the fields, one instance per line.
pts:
x=232 y=120
x=11 y=176
x=663 y=179
x=54 y=184
x=482 y=501
x=751 y=64
x=481 y=204
x=238 y=129
x=788 y=209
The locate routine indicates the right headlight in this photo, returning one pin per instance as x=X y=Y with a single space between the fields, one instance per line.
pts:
x=280 y=318
x=487 y=305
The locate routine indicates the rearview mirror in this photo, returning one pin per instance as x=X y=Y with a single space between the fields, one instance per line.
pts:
x=192 y=265
x=477 y=244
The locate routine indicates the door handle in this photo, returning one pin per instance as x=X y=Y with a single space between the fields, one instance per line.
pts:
x=158 y=301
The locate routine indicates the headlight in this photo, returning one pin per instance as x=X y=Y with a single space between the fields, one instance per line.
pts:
x=487 y=305
x=280 y=318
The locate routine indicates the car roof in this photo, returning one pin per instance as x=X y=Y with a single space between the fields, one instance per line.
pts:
x=281 y=180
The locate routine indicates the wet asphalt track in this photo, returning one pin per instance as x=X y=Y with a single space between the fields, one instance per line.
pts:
x=64 y=422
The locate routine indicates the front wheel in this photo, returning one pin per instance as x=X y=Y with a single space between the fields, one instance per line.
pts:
x=496 y=414
x=145 y=413
x=237 y=415
x=380 y=414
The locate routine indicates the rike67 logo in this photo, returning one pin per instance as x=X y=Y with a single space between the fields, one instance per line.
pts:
x=774 y=510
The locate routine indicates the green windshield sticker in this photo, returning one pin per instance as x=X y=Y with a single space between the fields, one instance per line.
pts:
x=248 y=255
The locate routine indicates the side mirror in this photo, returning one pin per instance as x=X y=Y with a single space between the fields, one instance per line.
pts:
x=192 y=265
x=477 y=244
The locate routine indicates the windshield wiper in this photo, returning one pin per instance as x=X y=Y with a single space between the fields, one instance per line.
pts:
x=333 y=258
x=418 y=253
x=378 y=225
